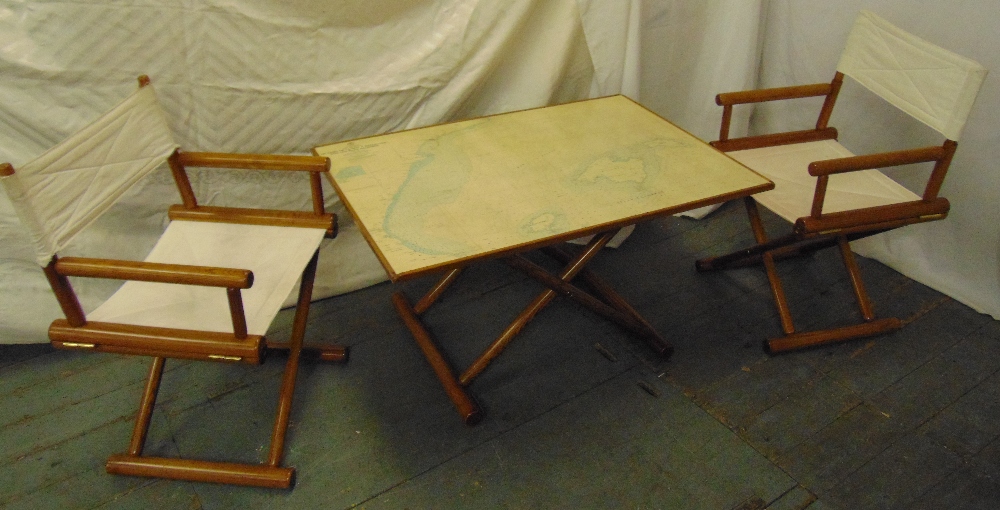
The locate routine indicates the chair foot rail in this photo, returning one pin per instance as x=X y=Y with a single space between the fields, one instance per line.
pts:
x=254 y=475
x=337 y=353
x=815 y=338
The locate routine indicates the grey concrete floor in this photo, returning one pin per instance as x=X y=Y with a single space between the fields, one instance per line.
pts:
x=906 y=420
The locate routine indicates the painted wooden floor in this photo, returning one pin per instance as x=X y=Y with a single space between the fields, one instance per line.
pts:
x=908 y=420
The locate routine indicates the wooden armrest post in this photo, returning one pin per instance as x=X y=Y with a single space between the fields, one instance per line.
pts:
x=64 y=294
x=183 y=183
x=831 y=99
x=820 y=196
x=236 y=310
x=727 y=118
x=316 y=183
x=940 y=169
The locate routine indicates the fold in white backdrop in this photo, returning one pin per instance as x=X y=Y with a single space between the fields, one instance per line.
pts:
x=261 y=76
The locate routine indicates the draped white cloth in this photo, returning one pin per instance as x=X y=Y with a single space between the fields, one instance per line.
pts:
x=261 y=76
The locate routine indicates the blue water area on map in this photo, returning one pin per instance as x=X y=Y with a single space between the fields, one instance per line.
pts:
x=436 y=179
x=625 y=168
x=351 y=171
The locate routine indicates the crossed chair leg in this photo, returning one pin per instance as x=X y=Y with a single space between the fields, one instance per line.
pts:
x=767 y=252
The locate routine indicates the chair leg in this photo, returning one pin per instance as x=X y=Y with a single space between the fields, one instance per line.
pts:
x=777 y=291
x=857 y=283
x=292 y=365
x=767 y=252
x=146 y=405
x=270 y=474
x=134 y=463
x=870 y=327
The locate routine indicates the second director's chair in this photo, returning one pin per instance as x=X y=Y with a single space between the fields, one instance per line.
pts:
x=207 y=291
x=832 y=196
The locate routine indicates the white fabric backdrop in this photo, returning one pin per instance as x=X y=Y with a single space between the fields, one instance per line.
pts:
x=254 y=75
x=262 y=76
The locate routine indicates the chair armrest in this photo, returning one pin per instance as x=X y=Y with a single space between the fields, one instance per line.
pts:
x=822 y=132
x=822 y=170
x=871 y=161
x=773 y=139
x=314 y=165
x=773 y=94
x=280 y=162
x=155 y=272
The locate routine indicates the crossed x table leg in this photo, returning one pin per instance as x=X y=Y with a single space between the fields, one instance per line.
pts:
x=607 y=303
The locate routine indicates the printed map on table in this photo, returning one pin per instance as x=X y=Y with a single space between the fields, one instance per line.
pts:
x=432 y=196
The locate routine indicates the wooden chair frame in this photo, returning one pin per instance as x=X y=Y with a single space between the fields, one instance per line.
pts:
x=77 y=333
x=820 y=230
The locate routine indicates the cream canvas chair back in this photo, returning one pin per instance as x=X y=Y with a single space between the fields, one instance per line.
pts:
x=927 y=82
x=64 y=190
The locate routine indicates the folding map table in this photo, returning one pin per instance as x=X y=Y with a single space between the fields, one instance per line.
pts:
x=436 y=199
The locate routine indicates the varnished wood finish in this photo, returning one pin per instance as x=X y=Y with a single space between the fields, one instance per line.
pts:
x=237 y=313
x=872 y=161
x=155 y=272
x=202 y=471
x=827 y=336
x=464 y=404
x=773 y=94
x=819 y=196
x=727 y=119
x=871 y=217
x=540 y=302
x=152 y=341
x=316 y=186
x=777 y=290
x=940 y=170
x=244 y=216
x=432 y=295
x=330 y=352
x=292 y=365
x=864 y=303
x=607 y=304
x=63 y=290
x=278 y=162
x=831 y=98
x=182 y=181
x=771 y=140
x=604 y=290
x=576 y=294
x=146 y=405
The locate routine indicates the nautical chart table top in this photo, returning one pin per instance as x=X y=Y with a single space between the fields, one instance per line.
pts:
x=440 y=197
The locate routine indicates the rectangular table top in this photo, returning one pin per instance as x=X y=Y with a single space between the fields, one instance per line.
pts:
x=438 y=197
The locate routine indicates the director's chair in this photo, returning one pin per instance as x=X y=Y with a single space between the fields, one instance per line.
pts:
x=207 y=291
x=832 y=196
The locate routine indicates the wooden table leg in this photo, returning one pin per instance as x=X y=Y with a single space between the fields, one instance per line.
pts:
x=616 y=301
x=466 y=406
x=568 y=273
